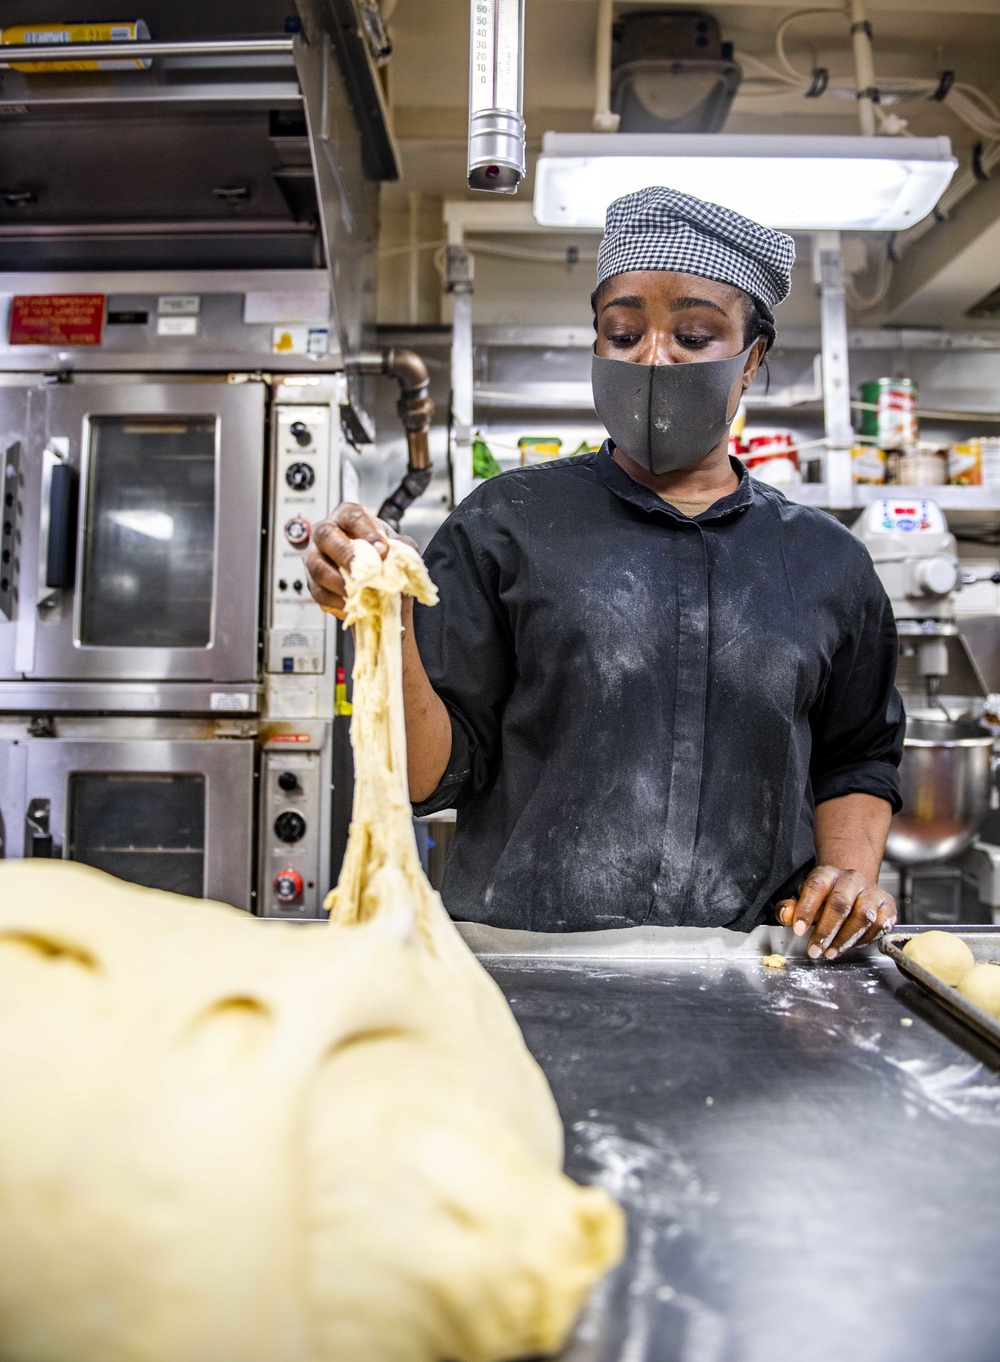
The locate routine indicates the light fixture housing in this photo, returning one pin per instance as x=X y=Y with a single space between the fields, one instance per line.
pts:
x=855 y=184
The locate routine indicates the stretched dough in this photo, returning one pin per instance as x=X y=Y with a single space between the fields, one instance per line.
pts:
x=229 y=1141
x=946 y=956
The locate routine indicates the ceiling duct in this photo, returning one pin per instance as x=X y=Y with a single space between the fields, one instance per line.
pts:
x=671 y=72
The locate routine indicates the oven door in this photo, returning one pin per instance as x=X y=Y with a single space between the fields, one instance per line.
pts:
x=173 y=814
x=148 y=547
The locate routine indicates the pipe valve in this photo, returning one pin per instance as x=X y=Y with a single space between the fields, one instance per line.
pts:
x=416 y=410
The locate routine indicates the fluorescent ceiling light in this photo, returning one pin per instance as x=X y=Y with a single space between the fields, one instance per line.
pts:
x=859 y=184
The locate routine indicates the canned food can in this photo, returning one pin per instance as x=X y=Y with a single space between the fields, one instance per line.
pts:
x=889 y=412
x=50 y=35
x=772 y=457
x=868 y=464
x=965 y=464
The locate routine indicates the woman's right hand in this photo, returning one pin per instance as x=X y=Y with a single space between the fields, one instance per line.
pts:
x=332 y=548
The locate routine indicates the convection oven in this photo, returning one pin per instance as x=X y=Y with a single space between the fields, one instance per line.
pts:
x=166 y=681
x=182 y=359
x=171 y=811
x=169 y=708
x=132 y=529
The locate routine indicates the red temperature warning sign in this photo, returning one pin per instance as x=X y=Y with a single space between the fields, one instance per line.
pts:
x=57 y=319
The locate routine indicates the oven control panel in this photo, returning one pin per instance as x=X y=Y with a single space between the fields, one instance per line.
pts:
x=300 y=496
x=290 y=826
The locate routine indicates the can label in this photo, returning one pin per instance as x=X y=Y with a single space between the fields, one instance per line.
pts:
x=539 y=447
x=868 y=464
x=989 y=456
x=965 y=465
x=50 y=35
x=771 y=456
x=889 y=412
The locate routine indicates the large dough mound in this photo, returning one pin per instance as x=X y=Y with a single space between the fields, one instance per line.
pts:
x=223 y=1140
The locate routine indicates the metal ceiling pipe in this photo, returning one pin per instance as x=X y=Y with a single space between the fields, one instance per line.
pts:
x=416 y=410
x=496 y=96
x=604 y=120
x=205 y=47
x=92 y=231
x=864 y=67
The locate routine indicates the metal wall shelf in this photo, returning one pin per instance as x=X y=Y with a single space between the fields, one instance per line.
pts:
x=819 y=402
x=789 y=338
x=985 y=499
x=538 y=397
x=948 y=498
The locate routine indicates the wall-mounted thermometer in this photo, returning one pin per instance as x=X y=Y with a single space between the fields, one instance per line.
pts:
x=496 y=95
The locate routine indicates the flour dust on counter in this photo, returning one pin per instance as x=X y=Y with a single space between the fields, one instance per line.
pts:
x=224 y=1139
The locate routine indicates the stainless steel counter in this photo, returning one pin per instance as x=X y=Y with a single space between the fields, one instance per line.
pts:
x=807 y=1179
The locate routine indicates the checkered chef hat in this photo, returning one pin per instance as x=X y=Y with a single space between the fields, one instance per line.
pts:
x=663 y=229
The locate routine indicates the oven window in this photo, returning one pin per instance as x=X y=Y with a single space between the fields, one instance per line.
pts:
x=149 y=542
x=149 y=829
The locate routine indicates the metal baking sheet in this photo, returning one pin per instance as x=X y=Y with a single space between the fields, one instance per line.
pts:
x=985 y=947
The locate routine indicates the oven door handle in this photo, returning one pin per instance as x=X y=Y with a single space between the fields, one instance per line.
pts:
x=60 y=551
x=57 y=531
x=38 y=839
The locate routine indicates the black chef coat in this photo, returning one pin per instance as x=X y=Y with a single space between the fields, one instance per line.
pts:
x=646 y=708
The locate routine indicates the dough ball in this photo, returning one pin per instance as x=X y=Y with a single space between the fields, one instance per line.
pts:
x=981 y=985
x=944 y=954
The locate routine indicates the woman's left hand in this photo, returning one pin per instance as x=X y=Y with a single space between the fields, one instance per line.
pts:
x=839 y=909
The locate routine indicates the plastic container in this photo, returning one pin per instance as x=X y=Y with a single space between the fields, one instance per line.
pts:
x=919 y=469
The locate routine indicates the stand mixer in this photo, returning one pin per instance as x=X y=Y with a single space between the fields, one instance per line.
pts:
x=946 y=768
x=916 y=558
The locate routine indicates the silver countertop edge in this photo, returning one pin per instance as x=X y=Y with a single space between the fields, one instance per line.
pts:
x=631 y=944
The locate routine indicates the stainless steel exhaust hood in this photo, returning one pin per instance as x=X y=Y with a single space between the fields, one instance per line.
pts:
x=201 y=161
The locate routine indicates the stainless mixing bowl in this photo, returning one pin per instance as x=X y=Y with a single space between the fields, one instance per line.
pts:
x=945 y=776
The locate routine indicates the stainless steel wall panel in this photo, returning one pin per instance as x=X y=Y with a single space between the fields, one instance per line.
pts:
x=222 y=342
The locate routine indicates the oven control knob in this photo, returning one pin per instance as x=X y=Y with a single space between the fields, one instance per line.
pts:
x=288 y=781
x=289 y=826
x=287 y=885
x=301 y=432
x=300 y=476
x=297 y=531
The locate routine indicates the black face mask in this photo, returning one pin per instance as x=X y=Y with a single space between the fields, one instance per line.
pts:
x=666 y=416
